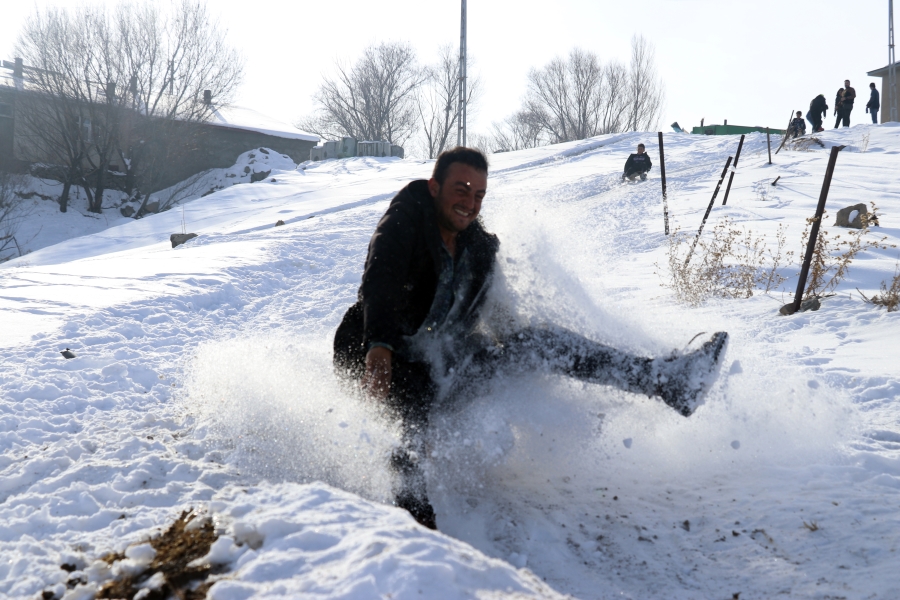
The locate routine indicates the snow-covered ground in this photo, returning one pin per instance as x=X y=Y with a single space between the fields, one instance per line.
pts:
x=41 y=224
x=203 y=380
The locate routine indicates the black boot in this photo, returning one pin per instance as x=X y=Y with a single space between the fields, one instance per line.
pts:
x=411 y=494
x=682 y=378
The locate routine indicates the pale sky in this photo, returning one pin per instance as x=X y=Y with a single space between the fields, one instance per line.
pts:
x=749 y=62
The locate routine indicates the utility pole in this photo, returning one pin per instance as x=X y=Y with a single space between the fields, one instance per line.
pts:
x=461 y=111
x=892 y=62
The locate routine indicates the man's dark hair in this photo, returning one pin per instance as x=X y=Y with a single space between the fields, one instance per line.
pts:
x=467 y=156
x=642 y=146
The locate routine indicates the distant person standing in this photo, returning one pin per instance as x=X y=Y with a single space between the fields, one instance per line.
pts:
x=873 y=104
x=838 y=102
x=847 y=103
x=818 y=110
x=797 y=126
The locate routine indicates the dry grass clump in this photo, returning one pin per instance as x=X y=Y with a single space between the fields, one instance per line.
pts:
x=803 y=144
x=833 y=255
x=730 y=262
x=176 y=549
x=889 y=296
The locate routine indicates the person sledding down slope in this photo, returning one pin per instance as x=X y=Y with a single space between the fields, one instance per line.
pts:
x=637 y=165
x=418 y=320
x=797 y=126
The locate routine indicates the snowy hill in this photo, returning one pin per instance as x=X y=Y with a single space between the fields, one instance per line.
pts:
x=203 y=381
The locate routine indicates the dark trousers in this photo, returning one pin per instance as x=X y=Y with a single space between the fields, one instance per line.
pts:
x=874 y=113
x=816 y=121
x=413 y=391
x=843 y=116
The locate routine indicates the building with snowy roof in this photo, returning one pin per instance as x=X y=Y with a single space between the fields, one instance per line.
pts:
x=232 y=130
x=214 y=142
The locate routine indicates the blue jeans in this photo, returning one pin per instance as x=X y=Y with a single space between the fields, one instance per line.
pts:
x=874 y=115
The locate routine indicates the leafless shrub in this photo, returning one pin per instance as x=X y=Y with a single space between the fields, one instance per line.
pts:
x=372 y=99
x=482 y=142
x=730 y=262
x=437 y=102
x=862 y=144
x=11 y=215
x=889 y=296
x=519 y=131
x=192 y=187
x=762 y=190
x=832 y=257
x=812 y=526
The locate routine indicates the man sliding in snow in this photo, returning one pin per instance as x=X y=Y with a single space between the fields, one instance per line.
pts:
x=637 y=165
x=419 y=320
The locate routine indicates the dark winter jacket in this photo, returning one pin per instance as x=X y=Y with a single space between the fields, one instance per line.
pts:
x=401 y=276
x=818 y=108
x=873 y=103
x=638 y=163
x=849 y=97
x=838 y=101
x=798 y=127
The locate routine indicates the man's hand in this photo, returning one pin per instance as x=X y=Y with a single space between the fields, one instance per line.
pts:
x=377 y=380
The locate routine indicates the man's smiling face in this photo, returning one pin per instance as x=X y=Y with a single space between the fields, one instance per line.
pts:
x=458 y=200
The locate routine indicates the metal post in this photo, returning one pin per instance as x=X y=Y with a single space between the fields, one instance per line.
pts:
x=461 y=112
x=737 y=157
x=769 y=144
x=892 y=64
x=814 y=232
x=662 y=172
x=787 y=132
x=708 y=208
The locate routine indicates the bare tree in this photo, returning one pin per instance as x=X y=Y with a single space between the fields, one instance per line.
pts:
x=645 y=90
x=615 y=97
x=438 y=101
x=579 y=97
x=125 y=84
x=373 y=99
x=566 y=96
x=53 y=123
x=519 y=131
x=169 y=61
